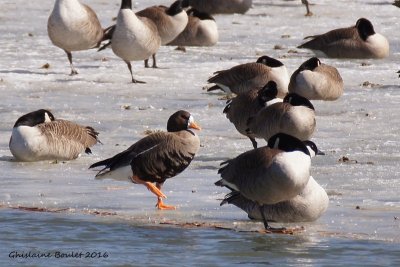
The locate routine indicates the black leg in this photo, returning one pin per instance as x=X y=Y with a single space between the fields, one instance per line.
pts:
x=73 y=70
x=154 y=61
x=305 y=2
x=130 y=70
x=146 y=63
x=267 y=227
x=253 y=141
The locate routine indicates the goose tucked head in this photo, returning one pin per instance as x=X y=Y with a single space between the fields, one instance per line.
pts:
x=126 y=4
x=312 y=148
x=175 y=8
x=198 y=14
x=310 y=64
x=34 y=118
x=287 y=143
x=181 y=120
x=297 y=100
x=269 y=61
x=364 y=28
x=267 y=93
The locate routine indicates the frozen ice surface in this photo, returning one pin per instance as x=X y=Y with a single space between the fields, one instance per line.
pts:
x=363 y=125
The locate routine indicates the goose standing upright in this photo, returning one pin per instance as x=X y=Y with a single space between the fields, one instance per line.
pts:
x=316 y=81
x=170 y=22
x=156 y=157
x=73 y=26
x=39 y=136
x=134 y=37
x=359 y=41
x=270 y=174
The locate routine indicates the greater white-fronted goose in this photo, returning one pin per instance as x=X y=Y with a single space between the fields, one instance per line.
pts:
x=39 y=136
x=134 y=37
x=316 y=81
x=244 y=77
x=201 y=30
x=156 y=157
x=73 y=26
x=170 y=22
x=294 y=116
x=219 y=6
x=271 y=174
x=307 y=206
x=244 y=106
x=359 y=41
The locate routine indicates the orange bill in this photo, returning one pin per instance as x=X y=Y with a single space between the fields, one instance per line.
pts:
x=194 y=125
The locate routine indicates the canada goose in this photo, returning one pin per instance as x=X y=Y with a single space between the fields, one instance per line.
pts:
x=244 y=77
x=201 y=30
x=73 y=26
x=134 y=37
x=307 y=206
x=316 y=81
x=39 y=136
x=270 y=174
x=244 y=106
x=170 y=22
x=396 y=3
x=359 y=41
x=219 y=6
x=294 y=116
x=156 y=157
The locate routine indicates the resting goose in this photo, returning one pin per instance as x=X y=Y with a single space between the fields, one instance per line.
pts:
x=244 y=106
x=219 y=6
x=134 y=37
x=316 y=81
x=271 y=174
x=244 y=77
x=294 y=116
x=201 y=30
x=39 y=136
x=359 y=41
x=73 y=26
x=156 y=157
x=170 y=22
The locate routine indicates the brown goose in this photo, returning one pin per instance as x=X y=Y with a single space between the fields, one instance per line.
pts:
x=201 y=30
x=134 y=37
x=170 y=22
x=359 y=41
x=38 y=136
x=219 y=6
x=294 y=116
x=156 y=157
x=244 y=106
x=316 y=81
x=244 y=77
x=73 y=26
x=271 y=174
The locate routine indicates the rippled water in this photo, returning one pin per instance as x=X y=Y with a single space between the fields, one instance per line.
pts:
x=360 y=227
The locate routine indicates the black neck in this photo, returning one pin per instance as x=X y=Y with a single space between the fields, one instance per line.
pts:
x=175 y=8
x=126 y=4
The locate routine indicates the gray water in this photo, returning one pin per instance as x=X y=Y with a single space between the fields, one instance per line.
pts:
x=81 y=214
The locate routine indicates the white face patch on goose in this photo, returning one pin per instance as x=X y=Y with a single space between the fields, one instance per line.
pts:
x=276 y=145
x=190 y=121
x=46 y=117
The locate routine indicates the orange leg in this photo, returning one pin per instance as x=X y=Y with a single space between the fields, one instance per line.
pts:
x=160 y=204
x=155 y=190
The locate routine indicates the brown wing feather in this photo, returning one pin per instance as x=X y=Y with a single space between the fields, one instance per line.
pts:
x=93 y=24
x=331 y=38
x=239 y=74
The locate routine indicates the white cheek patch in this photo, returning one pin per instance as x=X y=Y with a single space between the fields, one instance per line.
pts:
x=46 y=117
x=190 y=121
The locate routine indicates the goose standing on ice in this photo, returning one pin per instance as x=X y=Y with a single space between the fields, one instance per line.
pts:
x=359 y=41
x=134 y=37
x=170 y=22
x=269 y=175
x=156 y=157
x=39 y=136
x=73 y=26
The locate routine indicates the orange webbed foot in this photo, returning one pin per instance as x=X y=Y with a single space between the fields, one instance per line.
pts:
x=161 y=206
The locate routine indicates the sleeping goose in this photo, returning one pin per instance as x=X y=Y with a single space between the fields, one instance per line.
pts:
x=219 y=6
x=73 y=26
x=170 y=22
x=244 y=106
x=294 y=116
x=316 y=81
x=269 y=175
x=359 y=41
x=244 y=77
x=201 y=30
x=134 y=37
x=156 y=157
x=307 y=206
x=39 y=136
